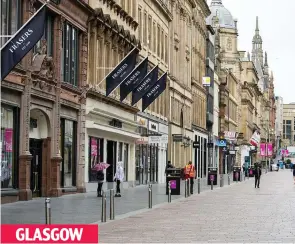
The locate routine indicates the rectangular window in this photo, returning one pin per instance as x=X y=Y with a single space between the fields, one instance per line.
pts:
x=70 y=47
x=120 y=152
x=150 y=33
x=159 y=41
x=9 y=146
x=95 y=155
x=144 y=29
x=68 y=152
x=162 y=45
x=154 y=37
x=166 y=48
x=48 y=36
x=11 y=18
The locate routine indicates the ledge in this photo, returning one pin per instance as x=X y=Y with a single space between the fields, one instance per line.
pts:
x=69 y=189
x=9 y=192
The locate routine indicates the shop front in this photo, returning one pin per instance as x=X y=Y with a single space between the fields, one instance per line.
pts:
x=200 y=154
x=151 y=154
x=109 y=138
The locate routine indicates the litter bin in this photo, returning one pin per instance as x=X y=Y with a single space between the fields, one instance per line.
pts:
x=212 y=174
x=237 y=173
x=174 y=176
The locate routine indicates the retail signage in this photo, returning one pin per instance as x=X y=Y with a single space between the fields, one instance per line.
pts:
x=158 y=139
x=163 y=128
x=144 y=86
x=206 y=81
x=269 y=149
x=142 y=140
x=232 y=152
x=154 y=92
x=230 y=135
x=23 y=41
x=141 y=121
x=196 y=144
x=153 y=126
x=164 y=139
x=255 y=139
x=221 y=143
x=237 y=148
x=177 y=137
x=262 y=149
x=132 y=80
x=121 y=71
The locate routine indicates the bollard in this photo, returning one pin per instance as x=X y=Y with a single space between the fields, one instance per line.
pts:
x=221 y=180
x=104 y=207
x=112 y=204
x=169 y=192
x=47 y=211
x=185 y=188
x=199 y=185
x=150 y=196
x=188 y=187
x=228 y=177
x=211 y=184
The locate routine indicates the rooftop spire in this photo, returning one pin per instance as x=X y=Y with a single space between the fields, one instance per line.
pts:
x=257 y=26
x=265 y=61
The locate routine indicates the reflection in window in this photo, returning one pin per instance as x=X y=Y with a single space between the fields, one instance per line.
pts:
x=120 y=152
x=95 y=155
x=7 y=147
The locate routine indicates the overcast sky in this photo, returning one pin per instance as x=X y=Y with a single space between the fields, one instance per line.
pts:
x=277 y=32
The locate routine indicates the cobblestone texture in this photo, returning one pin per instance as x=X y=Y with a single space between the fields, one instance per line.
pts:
x=239 y=213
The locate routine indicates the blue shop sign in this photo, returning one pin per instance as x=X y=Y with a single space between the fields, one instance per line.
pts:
x=221 y=143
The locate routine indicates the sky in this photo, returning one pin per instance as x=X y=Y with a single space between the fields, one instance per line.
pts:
x=278 y=35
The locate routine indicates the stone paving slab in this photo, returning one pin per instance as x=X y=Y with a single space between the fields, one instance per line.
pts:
x=84 y=208
x=239 y=213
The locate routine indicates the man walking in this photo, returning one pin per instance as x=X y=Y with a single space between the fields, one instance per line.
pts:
x=257 y=174
x=190 y=174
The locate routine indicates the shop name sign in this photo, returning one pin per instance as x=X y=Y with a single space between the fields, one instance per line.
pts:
x=142 y=141
x=158 y=139
x=230 y=135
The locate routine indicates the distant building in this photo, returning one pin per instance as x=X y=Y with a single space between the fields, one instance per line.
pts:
x=288 y=125
x=279 y=119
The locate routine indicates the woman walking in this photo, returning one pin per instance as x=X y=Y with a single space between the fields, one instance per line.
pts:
x=100 y=179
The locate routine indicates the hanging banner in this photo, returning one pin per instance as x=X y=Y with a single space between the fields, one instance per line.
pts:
x=8 y=139
x=24 y=40
x=133 y=79
x=93 y=147
x=121 y=71
x=148 y=81
x=255 y=139
x=155 y=91
x=262 y=149
x=269 y=149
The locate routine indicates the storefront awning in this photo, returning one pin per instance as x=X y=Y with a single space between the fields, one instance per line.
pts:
x=92 y=125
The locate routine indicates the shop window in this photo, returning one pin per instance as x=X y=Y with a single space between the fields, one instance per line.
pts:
x=70 y=63
x=95 y=155
x=68 y=152
x=120 y=152
x=9 y=146
x=126 y=157
x=10 y=18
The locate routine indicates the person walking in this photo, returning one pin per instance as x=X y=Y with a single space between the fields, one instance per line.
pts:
x=190 y=173
x=100 y=179
x=119 y=177
x=294 y=173
x=257 y=175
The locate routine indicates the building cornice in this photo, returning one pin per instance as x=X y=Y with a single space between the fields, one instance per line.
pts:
x=204 y=7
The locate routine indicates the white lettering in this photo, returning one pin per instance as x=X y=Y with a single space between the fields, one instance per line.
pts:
x=132 y=78
x=114 y=76
x=19 y=234
x=142 y=86
x=55 y=234
x=21 y=41
x=153 y=90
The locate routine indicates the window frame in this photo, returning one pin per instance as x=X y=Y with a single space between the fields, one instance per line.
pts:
x=68 y=63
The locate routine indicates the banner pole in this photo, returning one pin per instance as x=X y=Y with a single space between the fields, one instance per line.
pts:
x=116 y=66
x=20 y=29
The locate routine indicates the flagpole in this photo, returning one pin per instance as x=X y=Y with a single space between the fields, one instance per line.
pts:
x=20 y=29
x=116 y=66
x=128 y=75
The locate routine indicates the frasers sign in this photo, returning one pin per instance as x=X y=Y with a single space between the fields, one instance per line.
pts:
x=49 y=233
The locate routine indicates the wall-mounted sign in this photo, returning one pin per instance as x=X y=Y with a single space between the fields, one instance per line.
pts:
x=230 y=135
x=142 y=140
x=177 y=137
x=116 y=123
x=158 y=139
x=153 y=126
x=141 y=121
x=196 y=144
x=232 y=152
x=221 y=143
x=163 y=129
x=206 y=81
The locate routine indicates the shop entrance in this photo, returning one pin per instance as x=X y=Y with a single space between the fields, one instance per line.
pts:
x=111 y=160
x=36 y=166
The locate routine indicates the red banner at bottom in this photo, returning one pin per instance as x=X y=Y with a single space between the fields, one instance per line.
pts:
x=49 y=233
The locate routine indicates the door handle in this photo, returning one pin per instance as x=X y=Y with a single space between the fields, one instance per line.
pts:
x=36 y=181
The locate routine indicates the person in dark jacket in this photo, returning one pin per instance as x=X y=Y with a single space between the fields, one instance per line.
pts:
x=168 y=166
x=100 y=179
x=257 y=175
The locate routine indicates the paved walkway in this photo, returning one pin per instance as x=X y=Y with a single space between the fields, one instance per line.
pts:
x=83 y=208
x=237 y=214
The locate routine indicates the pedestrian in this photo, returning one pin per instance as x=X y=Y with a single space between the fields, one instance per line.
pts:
x=257 y=175
x=168 y=166
x=190 y=173
x=119 y=177
x=294 y=173
x=100 y=179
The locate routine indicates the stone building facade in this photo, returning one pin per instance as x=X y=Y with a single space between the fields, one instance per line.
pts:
x=42 y=105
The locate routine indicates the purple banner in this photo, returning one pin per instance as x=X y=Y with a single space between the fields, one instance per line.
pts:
x=269 y=149
x=172 y=184
x=262 y=149
x=8 y=139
